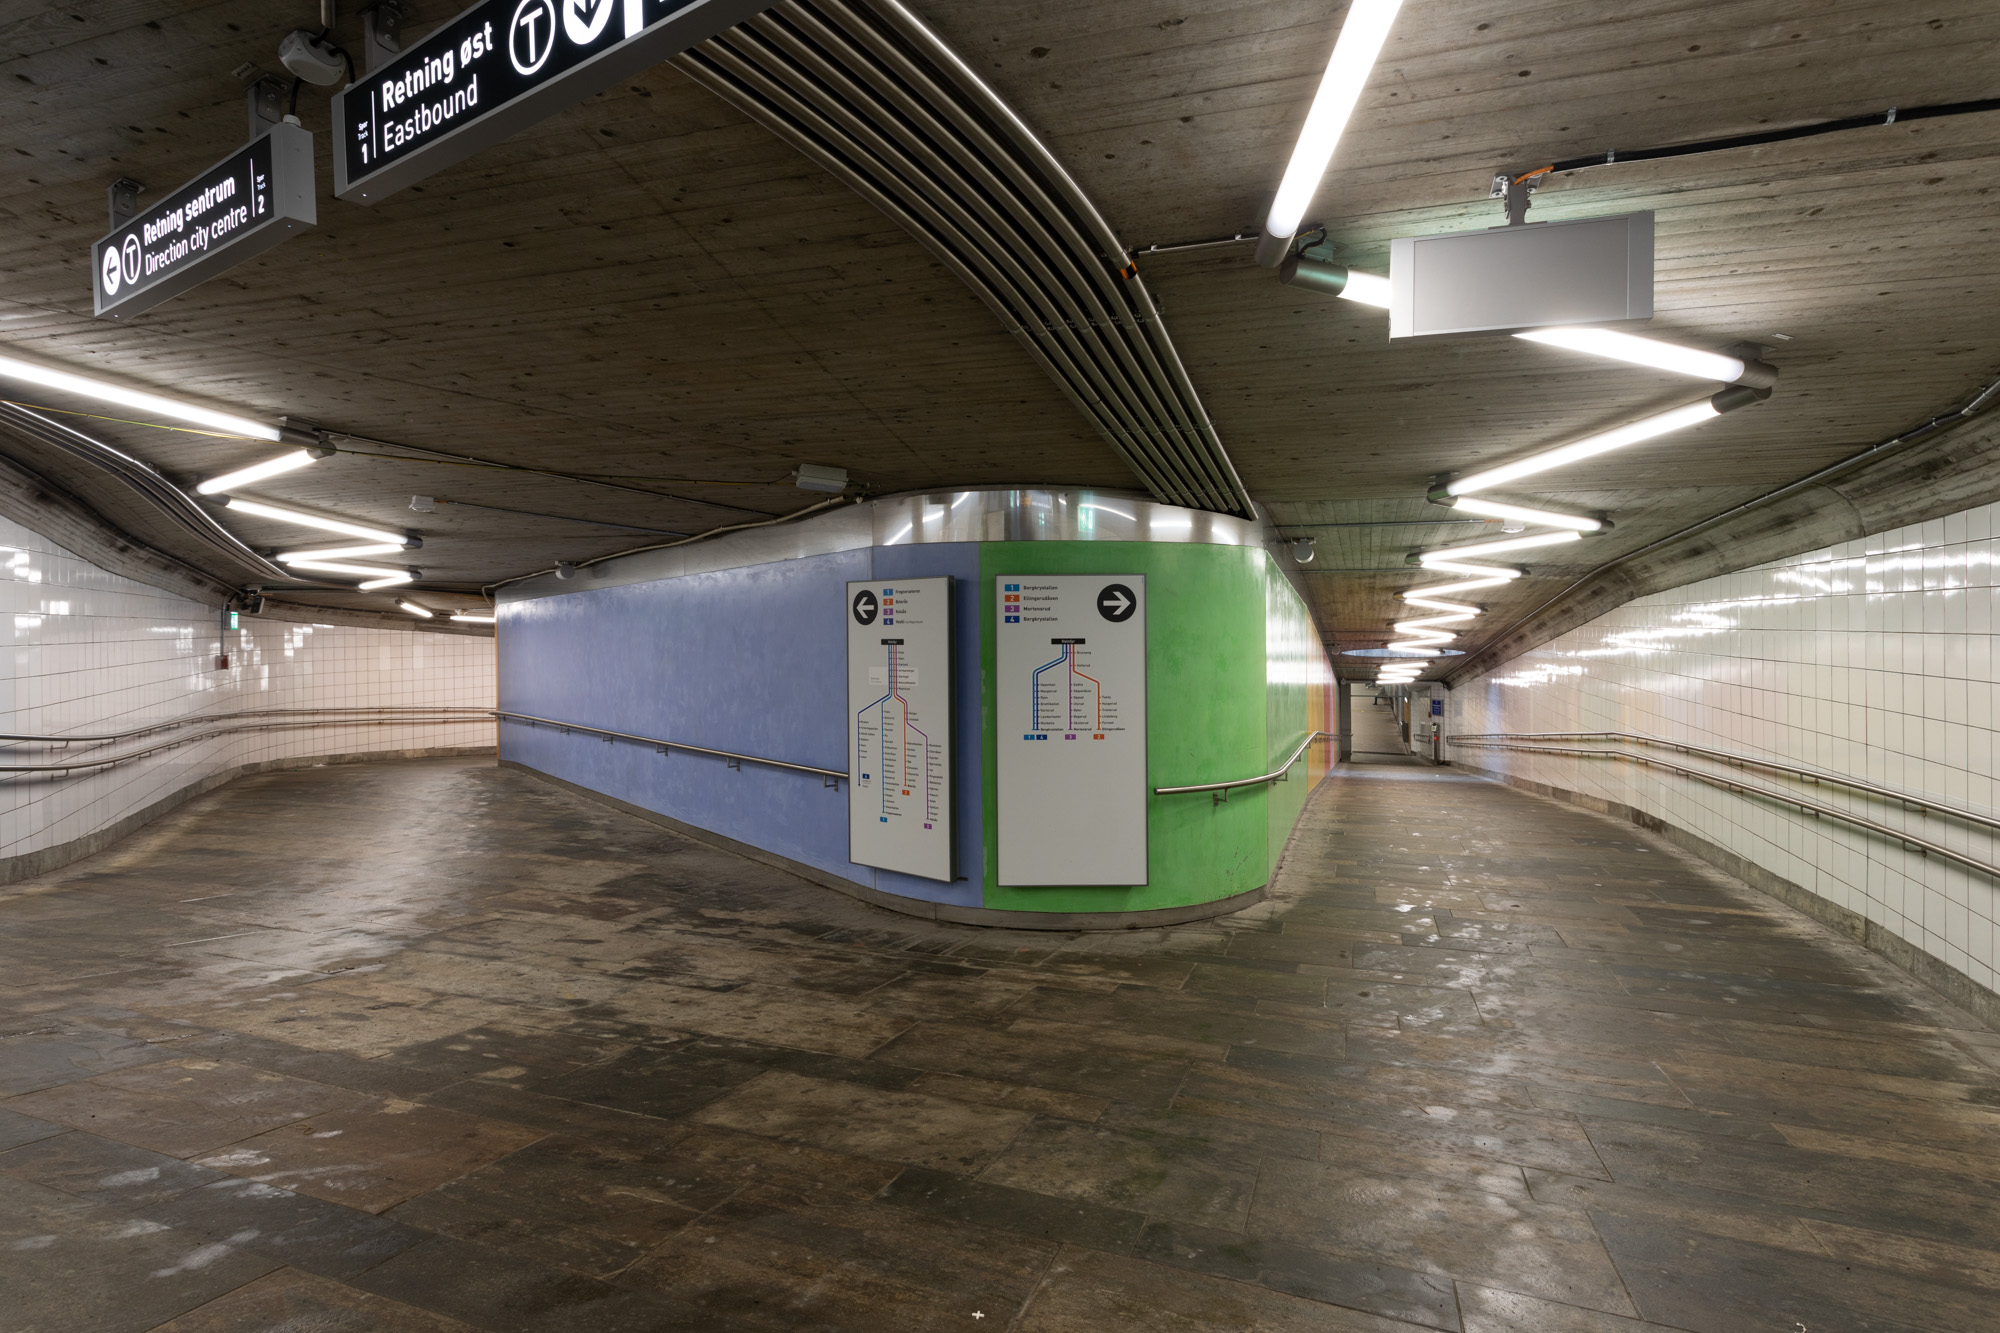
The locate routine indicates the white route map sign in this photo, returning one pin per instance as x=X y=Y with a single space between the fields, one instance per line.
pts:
x=899 y=747
x=1070 y=689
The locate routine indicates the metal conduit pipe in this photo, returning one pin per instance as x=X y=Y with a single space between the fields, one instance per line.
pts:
x=1029 y=149
x=716 y=71
x=1049 y=304
x=1100 y=263
x=1004 y=210
x=875 y=98
x=169 y=500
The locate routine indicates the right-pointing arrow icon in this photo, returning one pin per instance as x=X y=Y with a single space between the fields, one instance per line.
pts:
x=1116 y=602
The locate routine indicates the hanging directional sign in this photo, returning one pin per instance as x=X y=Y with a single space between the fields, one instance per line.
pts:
x=237 y=209
x=496 y=69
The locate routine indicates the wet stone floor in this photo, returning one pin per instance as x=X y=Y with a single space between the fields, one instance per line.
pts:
x=436 y=1046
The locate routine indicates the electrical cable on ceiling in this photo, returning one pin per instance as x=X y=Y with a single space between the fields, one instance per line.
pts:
x=583 y=478
x=488 y=590
x=1892 y=116
x=565 y=518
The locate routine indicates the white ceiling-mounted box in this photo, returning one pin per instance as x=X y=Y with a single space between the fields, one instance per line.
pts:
x=1591 y=271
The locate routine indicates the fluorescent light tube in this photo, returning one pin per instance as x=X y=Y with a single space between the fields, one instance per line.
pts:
x=1366 y=289
x=1454 y=589
x=389 y=581
x=137 y=399
x=1546 y=517
x=1680 y=418
x=1439 y=604
x=341 y=567
x=1362 y=33
x=338 y=552
x=414 y=609
x=470 y=619
x=1639 y=351
x=280 y=514
x=256 y=472
x=1496 y=573
x=1496 y=548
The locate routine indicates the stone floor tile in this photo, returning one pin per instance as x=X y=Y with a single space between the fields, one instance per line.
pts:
x=70 y=1266
x=288 y=1301
x=1176 y=1179
x=505 y=1293
x=307 y=1233
x=1087 y=1292
x=183 y=1106
x=103 y=1171
x=1413 y=1222
x=846 y=1117
x=374 y=1155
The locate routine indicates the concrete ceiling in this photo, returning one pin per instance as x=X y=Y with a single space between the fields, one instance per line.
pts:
x=652 y=289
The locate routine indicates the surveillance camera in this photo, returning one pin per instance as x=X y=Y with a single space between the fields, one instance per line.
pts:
x=313 y=59
x=1302 y=550
x=565 y=569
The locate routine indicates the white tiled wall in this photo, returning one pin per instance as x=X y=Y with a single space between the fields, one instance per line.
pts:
x=94 y=652
x=1873 y=659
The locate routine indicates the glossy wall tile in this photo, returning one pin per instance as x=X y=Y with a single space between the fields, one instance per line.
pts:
x=1873 y=659
x=93 y=652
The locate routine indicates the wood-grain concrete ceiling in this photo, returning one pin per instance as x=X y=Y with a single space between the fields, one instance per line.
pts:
x=650 y=286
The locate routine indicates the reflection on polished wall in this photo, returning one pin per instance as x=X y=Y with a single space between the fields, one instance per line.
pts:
x=1872 y=659
x=95 y=652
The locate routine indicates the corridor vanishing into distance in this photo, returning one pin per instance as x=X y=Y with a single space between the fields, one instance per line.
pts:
x=436 y=1046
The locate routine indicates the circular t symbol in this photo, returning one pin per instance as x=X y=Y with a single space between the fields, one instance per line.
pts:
x=1116 y=602
x=131 y=249
x=532 y=34
x=111 y=272
x=865 y=607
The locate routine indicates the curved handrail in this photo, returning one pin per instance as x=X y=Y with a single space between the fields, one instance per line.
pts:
x=664 y=746
x=1275 y=775
x=127 y=756
x=1814 y=775
x=197 y=719
x=1922 y=846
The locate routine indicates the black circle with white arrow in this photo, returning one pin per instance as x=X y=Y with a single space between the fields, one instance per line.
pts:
x=1115 y=602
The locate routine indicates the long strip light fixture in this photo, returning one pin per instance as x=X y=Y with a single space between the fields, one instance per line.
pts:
x=338 y=552
x=1547 y=518
x=1619 y=437
x=421 y=612
x=1362 y=34
x=299 y=518
x=137 y=399
x=1656 y=355
x=1478 y=550
x=378 y=576
x=468 y=618
x=256 y=472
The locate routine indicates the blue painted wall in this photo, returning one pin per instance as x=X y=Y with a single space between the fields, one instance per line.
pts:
x=752 y=660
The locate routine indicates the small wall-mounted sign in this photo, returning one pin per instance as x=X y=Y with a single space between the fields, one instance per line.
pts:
x=237 y=209
x=497 y=68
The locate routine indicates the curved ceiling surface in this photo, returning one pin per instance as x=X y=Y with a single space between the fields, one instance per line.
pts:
x=655 y=289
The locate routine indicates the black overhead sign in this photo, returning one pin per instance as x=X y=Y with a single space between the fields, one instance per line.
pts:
x=237 y=209
x=497 y=68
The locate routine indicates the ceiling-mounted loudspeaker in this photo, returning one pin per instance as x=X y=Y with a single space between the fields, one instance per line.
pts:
x=826 y=480
x=1302 y=550
x=1504 y=279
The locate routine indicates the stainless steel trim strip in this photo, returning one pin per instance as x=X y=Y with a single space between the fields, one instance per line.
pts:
x=1275 y=775
x=664 y=746
x=1923 y=846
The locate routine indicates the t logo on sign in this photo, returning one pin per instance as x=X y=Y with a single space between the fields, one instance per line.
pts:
x=532 y=34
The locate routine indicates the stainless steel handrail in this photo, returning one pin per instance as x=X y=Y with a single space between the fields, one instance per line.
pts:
x=197 y=719
x=1814 y=775
x=664 y=746
x=127 y=756
x=1922 y=846
x=1278 y=774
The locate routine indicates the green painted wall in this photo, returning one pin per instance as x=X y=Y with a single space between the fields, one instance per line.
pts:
x=1231 y=654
